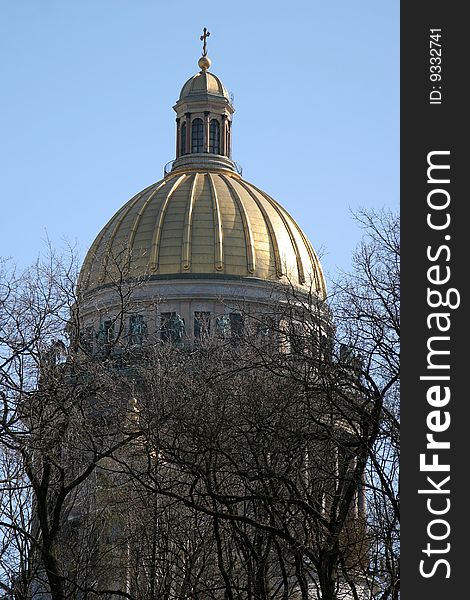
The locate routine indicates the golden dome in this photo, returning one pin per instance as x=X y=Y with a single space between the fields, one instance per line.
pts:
x=203 y=224
x=202 y=84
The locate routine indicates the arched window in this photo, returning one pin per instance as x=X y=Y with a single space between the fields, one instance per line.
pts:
x=214 y=137
x=197 y=136
x=183 y=139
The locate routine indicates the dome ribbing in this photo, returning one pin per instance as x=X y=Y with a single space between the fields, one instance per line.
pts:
x=197 y=224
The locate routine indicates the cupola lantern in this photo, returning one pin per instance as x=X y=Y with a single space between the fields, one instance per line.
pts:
x=204 y=119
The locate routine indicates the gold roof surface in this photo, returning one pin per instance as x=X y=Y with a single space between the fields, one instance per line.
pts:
x=204 y=83
x=204 y=223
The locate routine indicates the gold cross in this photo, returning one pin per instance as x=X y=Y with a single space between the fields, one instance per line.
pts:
x=204 y=37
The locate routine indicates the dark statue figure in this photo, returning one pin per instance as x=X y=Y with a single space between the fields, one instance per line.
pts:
x=223 y=325
x=138 y=330
x=177 y=330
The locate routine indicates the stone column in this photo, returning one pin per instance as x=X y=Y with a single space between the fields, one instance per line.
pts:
x=229 y=140
x=362 y=499
x=177 y=137
x=223 y=136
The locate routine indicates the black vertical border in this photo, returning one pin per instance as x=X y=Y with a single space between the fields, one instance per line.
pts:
x=426 y=128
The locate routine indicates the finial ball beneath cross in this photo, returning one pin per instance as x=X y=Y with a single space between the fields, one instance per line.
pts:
x=204 y=63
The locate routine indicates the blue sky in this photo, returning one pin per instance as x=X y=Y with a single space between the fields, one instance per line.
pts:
x=86 y=117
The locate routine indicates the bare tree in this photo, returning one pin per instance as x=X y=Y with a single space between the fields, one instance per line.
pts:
x=367 y=315
x=63 y=414
x=238 y=467
x=279 y=444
